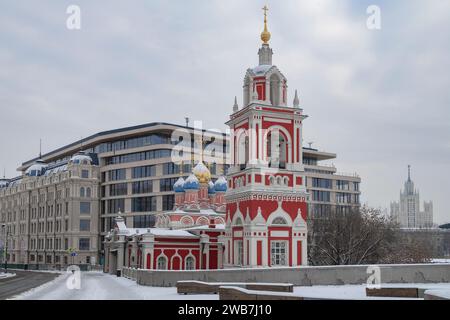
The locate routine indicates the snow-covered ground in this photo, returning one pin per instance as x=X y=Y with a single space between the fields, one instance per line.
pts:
x=440 y=260
x=101 y=286
x=6 y=275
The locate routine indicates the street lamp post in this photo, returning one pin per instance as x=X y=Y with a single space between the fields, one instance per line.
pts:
x=6 y=247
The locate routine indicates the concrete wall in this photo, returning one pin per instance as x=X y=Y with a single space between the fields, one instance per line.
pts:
x=304 y=276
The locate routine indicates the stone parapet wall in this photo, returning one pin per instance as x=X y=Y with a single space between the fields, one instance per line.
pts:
x=302 y=276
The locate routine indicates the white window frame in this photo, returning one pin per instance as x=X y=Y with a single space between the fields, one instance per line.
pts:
x=277 y=256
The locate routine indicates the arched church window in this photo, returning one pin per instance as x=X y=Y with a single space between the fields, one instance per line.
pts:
x=272 y=180
x=243 y=151
x=275 y=84
x=88 y=192
x=279 y=220
x=162 y=263
x=190 y=263
x=276 y=149
x=82 y=194
x=238 y=222
x=279 y=181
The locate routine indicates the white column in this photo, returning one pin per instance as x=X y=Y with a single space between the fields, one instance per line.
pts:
x=267 y=91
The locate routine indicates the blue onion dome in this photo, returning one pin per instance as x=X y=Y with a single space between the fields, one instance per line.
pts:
x=4 y=183
x=179 y=185
x=202 y=172
x=211 y=189
x=36 y=169
x=81 y=158
x=221 y=184
x=191 y=183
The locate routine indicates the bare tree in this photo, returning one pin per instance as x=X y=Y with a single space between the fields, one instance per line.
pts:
x=362 y=236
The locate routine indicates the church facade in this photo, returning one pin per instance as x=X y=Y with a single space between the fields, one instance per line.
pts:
x=253 y=217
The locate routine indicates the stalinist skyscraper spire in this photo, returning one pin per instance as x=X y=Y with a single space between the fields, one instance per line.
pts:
x=407 y=211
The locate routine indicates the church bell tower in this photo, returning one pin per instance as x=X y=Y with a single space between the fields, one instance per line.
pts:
x=266 y=201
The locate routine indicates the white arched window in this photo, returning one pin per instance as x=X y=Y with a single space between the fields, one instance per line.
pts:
x=243 y=150
x=162 y=263
x=88 y=192
x=276 y=149
x=272 y=180
x=82 y=192
x=279 y=180
x=275 y=84
x=190 y=263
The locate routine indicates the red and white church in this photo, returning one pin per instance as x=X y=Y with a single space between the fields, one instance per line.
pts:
x=256 y=216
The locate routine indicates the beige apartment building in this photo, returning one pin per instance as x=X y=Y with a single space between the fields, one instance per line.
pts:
x=49 y=215
x=131 y=170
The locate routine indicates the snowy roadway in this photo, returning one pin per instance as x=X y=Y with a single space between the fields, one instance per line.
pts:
x=101 y=286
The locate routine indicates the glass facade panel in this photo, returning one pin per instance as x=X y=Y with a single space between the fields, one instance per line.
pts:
x=321 y=183
x=139 y=156
x=118 y=174
x=144 y=221
x=167 y=184
x=152 y=139
x=168 y=202
x=116 y=205
x=323 y=196
x=119 y=189
x=143 y=204
x=142 y=187
x=143 y=172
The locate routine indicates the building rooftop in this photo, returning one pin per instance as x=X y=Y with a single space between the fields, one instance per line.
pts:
x=103 y=136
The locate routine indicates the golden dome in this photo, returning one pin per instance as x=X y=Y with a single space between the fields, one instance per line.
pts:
x=202 y=173
x=265 y=35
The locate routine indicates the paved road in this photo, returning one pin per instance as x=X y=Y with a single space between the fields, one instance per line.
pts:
x=23 y=281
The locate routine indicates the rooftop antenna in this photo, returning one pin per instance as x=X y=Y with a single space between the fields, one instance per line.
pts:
x=187 y=121
x=409 y=172
x=40 y=148
x=4 y=173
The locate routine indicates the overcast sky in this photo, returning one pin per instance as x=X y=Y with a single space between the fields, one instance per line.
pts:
x=378 y=98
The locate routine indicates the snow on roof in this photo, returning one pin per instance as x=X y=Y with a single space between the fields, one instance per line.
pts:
x=261 y=69
x=202 y=212
x=219 y=227
x=179 y=184
x=191 y=182
x=154 y=231
x=171 y=233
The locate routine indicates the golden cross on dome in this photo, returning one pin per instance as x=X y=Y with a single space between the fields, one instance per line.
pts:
x=265 y=35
